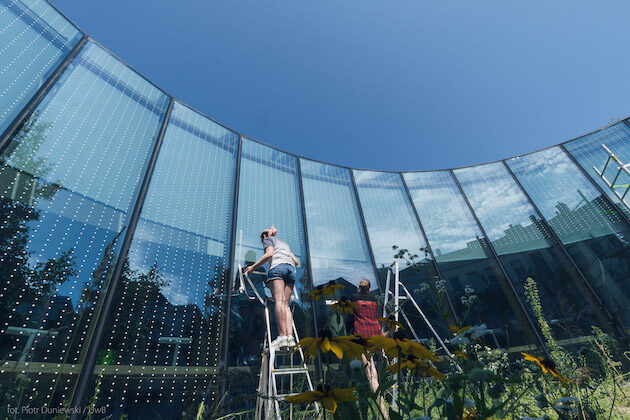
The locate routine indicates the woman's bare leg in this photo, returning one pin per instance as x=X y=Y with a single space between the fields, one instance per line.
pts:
x=277 y=292
x=372 y=377
x=288 y=290
x=370 y=372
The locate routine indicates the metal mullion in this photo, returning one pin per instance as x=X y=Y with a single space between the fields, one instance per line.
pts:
x=89 y=362
x=230 y=276
x=365 y=231
x=320 y=370
x=430 y=248
x=515 y=295
x=43 y=90
x=566 y=253
x=596 y=185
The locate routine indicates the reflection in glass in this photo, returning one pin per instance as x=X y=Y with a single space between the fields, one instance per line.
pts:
x=337 y=243
x=390 y=221
x=169 y=305
x=588 y=152
x=587 y=224
x=526 y=249
x=465 y=261
x=268 y=195
x=68 y=181
x=34 y=39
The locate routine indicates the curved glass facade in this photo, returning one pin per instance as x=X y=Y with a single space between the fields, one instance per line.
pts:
x=125 y=215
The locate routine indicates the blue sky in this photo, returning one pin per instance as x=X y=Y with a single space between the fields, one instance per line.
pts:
x=397 y=85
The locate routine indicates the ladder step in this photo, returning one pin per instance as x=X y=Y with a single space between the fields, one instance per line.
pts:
x=289 y=371
x=283 y=350
x=286 y=395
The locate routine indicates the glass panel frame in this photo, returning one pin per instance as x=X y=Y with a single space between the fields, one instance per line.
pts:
x=35 y=40
x=474 y=279
x=63 y=179
x=175 y=279
x=527 y=248
x=591 y=228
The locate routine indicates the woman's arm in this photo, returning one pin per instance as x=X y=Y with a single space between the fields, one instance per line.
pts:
x=295 y=260
x=266 y=257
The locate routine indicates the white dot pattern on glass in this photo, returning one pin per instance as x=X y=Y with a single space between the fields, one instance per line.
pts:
x=34 y=38
x=337 y=242
x=165 y=319
x=65 y=172
x=389 y=217
x=590 y=227
x=588 y=152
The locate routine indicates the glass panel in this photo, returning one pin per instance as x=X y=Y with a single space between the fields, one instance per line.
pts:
x=337 y=243
x=464 y=259
x=390 y=221
x=588 y=152
x=526 y=249
x=268 y=195
x=34 y=39
x=163 y=340
x=69 y=181
x=590 y=228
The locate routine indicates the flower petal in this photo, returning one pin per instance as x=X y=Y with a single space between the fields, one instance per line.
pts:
x=343 y=394
x=329 y=404
x=303 y=398
x=335 y=348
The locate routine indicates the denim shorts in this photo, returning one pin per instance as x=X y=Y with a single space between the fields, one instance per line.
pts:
x=285 y=272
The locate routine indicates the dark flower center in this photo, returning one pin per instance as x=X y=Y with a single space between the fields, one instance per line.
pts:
x=548 y=363
x=360 y=340
x=325 y=334
x=399 y=335
x=325 y=388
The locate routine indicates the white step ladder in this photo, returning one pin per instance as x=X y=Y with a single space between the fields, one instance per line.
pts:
x=279 y=364
x=398 y=309
x=617 y=189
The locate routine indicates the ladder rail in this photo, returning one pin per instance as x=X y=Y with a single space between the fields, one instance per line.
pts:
x=267 y=401
x=621 y=168
x=420 y=311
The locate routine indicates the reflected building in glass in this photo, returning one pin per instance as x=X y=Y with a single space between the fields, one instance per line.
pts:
x=126 y=214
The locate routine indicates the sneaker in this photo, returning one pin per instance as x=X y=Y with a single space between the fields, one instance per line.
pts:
x=279 y=341
x=289 y=341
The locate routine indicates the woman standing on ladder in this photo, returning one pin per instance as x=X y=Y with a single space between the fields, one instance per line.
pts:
x=280 y=281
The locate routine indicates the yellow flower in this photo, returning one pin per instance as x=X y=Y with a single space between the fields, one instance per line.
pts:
x=399 y=344
x=344 y=306
x=325 y=343
x=354 y=346
x=329 y=397
x=469 y=413
x=412 y=363
x=321 y=290
x=547 y=366
x=458 y=330
x=317 y=293
x=460 y=354
x=331 y=287
x=428 y=370
x=391 y=323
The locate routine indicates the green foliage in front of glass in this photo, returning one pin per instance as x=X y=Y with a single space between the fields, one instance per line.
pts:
x=586 y=381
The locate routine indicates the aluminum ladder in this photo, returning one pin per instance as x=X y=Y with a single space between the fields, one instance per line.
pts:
x=272 y=369
x=397 y=309
x=621 y=168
